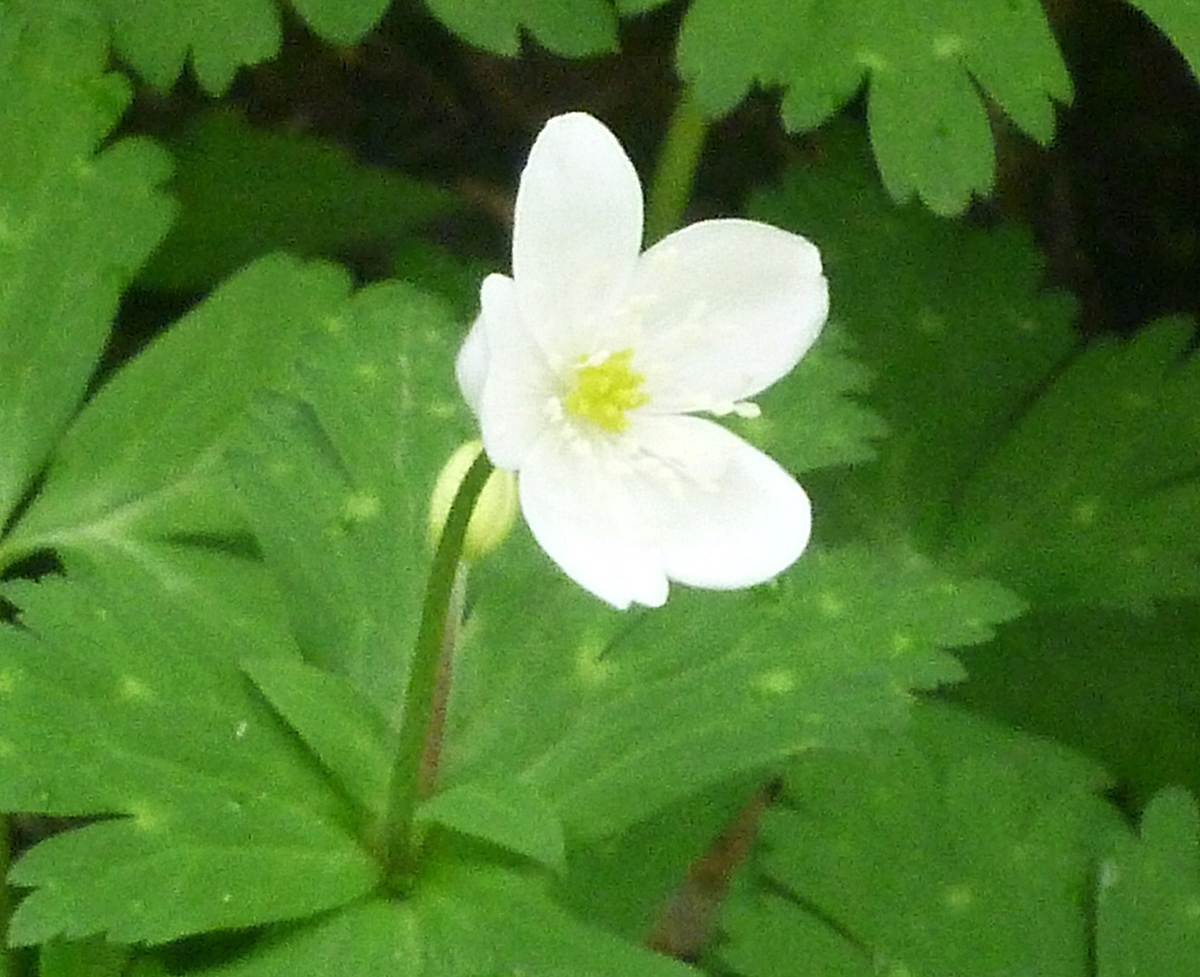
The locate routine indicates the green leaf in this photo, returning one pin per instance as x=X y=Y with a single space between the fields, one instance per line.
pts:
x=341 y=21
x=1180 y=21
x=245 y=192
x=927 y=63
x=1148 y=906
x=338 y=723
x=960 y=848
x=145 y=713
x=74 y=227
x=505 y=814
x=815 y=399
x=573 y=28
x=1122 y=688
x=157 y=36
x=336 y=482
x=83 y=958
x=951 y=322
x=1093 y=497
x=142 y=460
x=461 y=919
x=611 y=718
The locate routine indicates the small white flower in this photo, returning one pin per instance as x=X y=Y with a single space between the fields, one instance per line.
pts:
x=585 y=366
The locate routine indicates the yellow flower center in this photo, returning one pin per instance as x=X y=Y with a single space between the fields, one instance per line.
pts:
x=604 y=391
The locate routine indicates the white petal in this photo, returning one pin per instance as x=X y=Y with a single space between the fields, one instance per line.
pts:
x=582 y=514
x=734 y=519
x=727 y=307
x=471 y=365
x=519 y=385
x=577 y=231
x=693 y=504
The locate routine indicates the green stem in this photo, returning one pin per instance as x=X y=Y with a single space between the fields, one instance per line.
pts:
x=675 y=173
x=404 y=784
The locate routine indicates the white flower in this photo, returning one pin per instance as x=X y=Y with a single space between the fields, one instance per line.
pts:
x=585 y=366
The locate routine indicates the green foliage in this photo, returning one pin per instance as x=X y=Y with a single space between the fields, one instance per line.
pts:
x=244 y=192
x=1148 y=910
x=156 y=37
x=1121 y=687
x=1180 y=21
x=119 y=699
x=922 y=61
x=574 y=28
x=82 y=958
x=335 y=481
x=949 y=321
x=815 y=398
x=464 y=919
x=74 y=227
x=341 y=21
x=1093 y=496
x=509 y=815
x=960 y=848
x=142 y=460
x=611 y=718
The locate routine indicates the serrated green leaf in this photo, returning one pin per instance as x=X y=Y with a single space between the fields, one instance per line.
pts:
x=926 y=64
x=616 y=717
x=961 y=848
x=573 y=28
x=1093 y=496
x=118 y=699
x=1122 y=688
x=336 y=482
x=1148 y=904
x=808 y=418
x=245 y=192
x=142 y=460
x=74 y=227
x=156 y=37
x=462 y=920
x=341 y=21
x=82 y=958
x=1180 y=21
x=337 y=722
x=949 y=320
x=506 y=814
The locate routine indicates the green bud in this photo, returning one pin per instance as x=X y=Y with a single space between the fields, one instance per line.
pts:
x=495 y=511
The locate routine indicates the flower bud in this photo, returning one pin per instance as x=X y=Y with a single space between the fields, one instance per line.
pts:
x=495 y=509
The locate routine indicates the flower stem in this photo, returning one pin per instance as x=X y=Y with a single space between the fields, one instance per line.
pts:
x=404 y=783
x=675 y=173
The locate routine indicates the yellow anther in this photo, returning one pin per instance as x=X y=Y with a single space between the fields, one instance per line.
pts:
x=605 y=391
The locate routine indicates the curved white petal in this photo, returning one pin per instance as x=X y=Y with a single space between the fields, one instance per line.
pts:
x=680 y=498
x=731 y=518
x=726 y=308
x=471 y=365
x=580 y=510
x=577 y=230
x=516 y=394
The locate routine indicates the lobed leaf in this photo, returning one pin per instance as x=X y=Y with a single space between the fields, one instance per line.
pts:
x=1148 y=905
x=948 y=319
x=335 y=479
x=157 y=37
x=610 y=723
x=1094 y=495
x=74 y=226
x=141 y=461
x=463 y=920
x=119 y=700
x=927 y=65
x=1180 y=21
x=572 y=28
x=341 y=21
x=245 y=192
x=959 y=848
